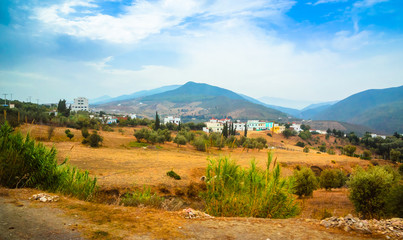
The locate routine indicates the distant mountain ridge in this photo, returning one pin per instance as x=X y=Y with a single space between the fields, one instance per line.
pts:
x=381 y=109
x=197 y=100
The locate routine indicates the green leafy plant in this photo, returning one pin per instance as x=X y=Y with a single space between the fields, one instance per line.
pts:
x=251 y=192
x=305 y=182
x=173 y=175
x=332 y=178
x=141 y=197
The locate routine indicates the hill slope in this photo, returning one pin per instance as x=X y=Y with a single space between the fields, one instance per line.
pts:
x=196 y=100
x=380 y=109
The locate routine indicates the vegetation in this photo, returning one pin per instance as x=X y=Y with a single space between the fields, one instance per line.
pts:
x=332 y=178
x=173 y=175
x=305 y=182
x=349 y=150
x=69 y=134
x=141 y=197
x=25 y=163
x=288 y=133
x=371 y=189
x=252 y=192
x=152 y=136
x=94 y=139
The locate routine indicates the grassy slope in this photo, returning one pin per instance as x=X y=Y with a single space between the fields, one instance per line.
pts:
x=368 y=104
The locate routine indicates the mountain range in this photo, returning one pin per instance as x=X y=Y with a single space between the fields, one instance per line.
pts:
x=380 y=109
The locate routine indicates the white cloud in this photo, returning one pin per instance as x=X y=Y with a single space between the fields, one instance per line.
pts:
x=368 y=3
x=145 y=18
x=328 y=1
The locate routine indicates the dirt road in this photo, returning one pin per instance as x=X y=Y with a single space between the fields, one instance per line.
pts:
x=21 y=218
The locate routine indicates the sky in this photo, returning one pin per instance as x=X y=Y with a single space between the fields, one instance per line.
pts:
x=316 y=50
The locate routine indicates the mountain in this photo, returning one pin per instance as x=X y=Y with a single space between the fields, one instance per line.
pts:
x=138 y=94
x=319 y=105
x=287 y=103
x=196 y=100
x=103 y=98
x=314 y=109
x=290 y=111
x=380 y=109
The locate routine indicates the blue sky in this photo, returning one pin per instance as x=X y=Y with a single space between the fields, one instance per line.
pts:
x=319 y=50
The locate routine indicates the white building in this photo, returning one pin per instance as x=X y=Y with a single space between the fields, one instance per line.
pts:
x=239 y=126
x=171 y=119
x=296 y=127
x=80 y=104
x=256 y=125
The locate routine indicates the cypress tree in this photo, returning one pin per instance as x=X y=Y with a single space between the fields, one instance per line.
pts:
x=246 y=130
x=157 y=121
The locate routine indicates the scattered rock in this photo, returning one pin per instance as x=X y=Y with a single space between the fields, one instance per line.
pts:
x=43 y=197
x=191 y=214
x=390 y=228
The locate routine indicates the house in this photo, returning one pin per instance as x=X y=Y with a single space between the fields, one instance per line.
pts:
x=256 y=125
x=239 y=126
x=171 y=119
x=269 y=125
x=296 y=127
x=132 y=116
x=278 y=129
x=80 y=104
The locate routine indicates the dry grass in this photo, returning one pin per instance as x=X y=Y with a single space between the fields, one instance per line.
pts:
x=326 y=203
x=119 y=166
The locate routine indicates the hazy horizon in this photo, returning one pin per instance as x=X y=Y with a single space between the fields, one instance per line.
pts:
x=318 y=51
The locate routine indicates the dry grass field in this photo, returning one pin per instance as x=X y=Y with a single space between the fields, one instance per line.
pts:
x=120 y=167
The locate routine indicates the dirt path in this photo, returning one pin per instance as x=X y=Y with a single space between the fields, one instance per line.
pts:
x=24 y=219
x=21 y=219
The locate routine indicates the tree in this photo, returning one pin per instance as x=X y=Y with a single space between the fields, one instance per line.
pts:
x=369 y=191
x=225 y=130
x=332 y=178
x=349 y=150
x=288 y=133
x=305 y=127
x=84 y=132
x=157 y=121
x=395 y=155
x=62 y=109
x=69 y=134
x=180 y=140
x=305 y=182
x=246 y=130
x=95 y=139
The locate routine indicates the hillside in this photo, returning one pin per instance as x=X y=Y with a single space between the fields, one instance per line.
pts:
x=143 y=93
x=197 y=100
x=380 y=109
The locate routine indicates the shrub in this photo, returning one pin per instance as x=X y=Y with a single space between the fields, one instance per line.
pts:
x=253 y=192
x=401 y=169
x=394 y=202
x=200 y=143
x=349 y=150
x=366 y=155
x=300 y=144
x=69 y=134
x=173 y=175
x=322 y=148
x=395 y=155
x=369 y=190
x=85 y=133
x=332 y=178
x=94 y=139
x=144 y=197
x=232 y=142
x=25 y=163
x=305 y=135
x=180 y=140
x=141 y=134
x=269 y=134
x=288 y=133
x=306 y=150
x=305 y=182
x=107 y=128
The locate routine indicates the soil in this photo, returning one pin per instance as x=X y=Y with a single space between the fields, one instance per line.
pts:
x=74 y=219
x=24 y=219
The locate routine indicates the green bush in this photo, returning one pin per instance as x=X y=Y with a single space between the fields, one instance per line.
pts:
x=94 y=139
x=349 y=150
x=394 y=202
x=305 y=182
x=25 y=163
x=332 y=178
x=401 y=169
x=305 y=135
x=180 y=140
x=369 y=191
x=144 y=197
x=300 y=144
x=253 y=192
x=173 y=175
x=200 y=143
x=69 y=134
x=366 y=155
x=306 y=150
x=85 y=133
